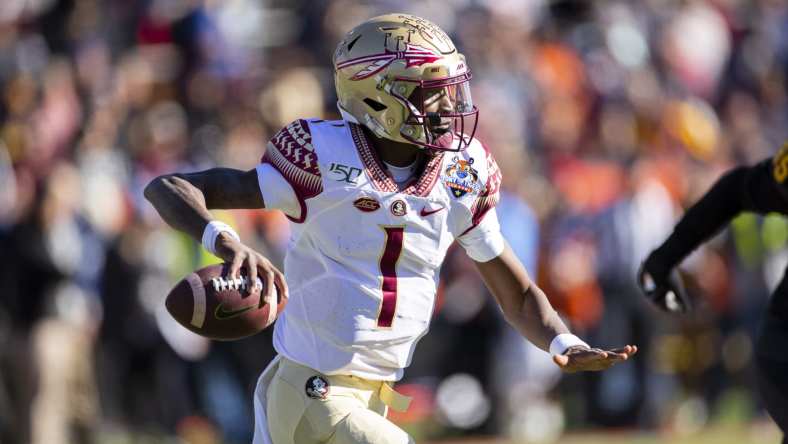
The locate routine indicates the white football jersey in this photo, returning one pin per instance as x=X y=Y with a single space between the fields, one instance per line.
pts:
x=364 y=258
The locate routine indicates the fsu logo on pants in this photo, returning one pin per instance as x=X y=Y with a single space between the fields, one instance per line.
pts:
x=317 y=387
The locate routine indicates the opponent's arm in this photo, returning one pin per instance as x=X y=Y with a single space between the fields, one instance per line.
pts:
x=526 y=308
x=184 y=200
x=747 y=188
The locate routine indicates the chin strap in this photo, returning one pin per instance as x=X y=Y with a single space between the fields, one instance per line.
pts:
x=346 y=114
x=376 y=127
x=369 y=122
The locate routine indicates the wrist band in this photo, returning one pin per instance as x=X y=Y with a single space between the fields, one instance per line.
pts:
x=561 y=343
x=212 y=231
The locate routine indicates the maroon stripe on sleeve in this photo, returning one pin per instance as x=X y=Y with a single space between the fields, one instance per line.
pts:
x=291 y=153
x=489 y=196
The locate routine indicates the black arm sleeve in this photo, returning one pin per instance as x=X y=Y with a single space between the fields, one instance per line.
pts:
x=752 y=188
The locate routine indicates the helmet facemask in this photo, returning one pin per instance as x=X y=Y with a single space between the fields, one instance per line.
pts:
x=441 y=116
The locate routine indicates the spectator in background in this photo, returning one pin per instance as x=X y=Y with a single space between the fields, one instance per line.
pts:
x=49 y=295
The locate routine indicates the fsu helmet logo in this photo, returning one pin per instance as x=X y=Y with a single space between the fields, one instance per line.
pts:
x=317 y=387
x=460 y=177
x=399 y=208
x=414 y=55
x=366 y=204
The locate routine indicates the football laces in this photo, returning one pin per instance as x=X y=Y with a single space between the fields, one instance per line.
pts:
x=239 y=283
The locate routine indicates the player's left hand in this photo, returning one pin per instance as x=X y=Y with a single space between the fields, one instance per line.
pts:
x=580 y=358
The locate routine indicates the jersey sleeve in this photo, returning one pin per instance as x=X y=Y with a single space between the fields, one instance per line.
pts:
x=291 y=154
x=482 y=239
x=484 y=242
x=759 y=188
x=277 y=192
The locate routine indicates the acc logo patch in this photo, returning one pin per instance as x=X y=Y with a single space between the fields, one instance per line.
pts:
x=366 y=204
x=399 y=208
x=461 y=178
x=317 y=387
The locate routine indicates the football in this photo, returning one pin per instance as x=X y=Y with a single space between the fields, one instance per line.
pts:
x=216 y=307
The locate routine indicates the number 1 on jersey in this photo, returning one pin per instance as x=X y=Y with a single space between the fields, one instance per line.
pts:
x=388 y=268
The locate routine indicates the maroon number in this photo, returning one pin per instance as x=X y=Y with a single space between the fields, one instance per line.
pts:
x=388 y=268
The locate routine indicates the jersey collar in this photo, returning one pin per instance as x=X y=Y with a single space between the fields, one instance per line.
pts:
x=379 y=176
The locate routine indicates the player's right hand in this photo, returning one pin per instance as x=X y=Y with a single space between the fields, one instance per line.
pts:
x=663 y=286
x=239 y=255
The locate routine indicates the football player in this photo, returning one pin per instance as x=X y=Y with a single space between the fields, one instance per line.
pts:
x=375 y=201
x=761 y=188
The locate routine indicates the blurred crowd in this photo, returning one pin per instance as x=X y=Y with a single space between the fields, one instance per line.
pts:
x=607 y=118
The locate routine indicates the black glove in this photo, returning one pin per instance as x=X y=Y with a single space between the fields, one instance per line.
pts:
x=663 y=286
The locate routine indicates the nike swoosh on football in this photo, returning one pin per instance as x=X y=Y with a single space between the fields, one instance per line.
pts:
x=223 y=314
x=424 y=212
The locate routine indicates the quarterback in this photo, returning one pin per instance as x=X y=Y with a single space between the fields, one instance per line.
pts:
x=375 y=200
